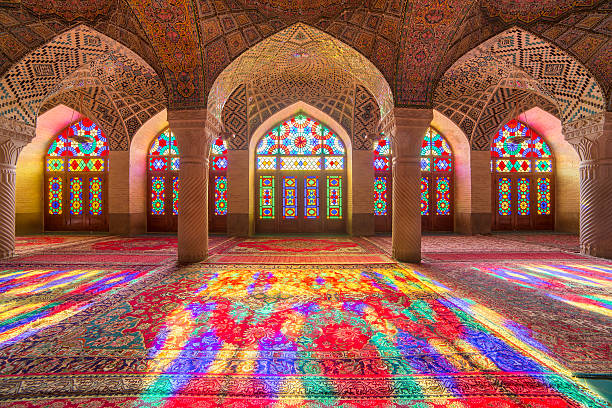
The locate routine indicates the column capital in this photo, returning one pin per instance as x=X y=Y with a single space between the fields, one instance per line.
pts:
x=14 y=135
x=591 y=136
x=193 y=132
x=408 y=130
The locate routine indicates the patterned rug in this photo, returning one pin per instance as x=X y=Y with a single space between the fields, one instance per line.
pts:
x=315 y=251
x=566 y=242
x=246 y=336
x=36 y=243
x=562 y=308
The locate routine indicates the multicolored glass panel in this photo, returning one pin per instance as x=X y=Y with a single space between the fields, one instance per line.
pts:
x=381 y=164
x=425 y=164
x=334 y=197
x=424 y=196
x=524 y=196
x=164 y=145
x=532 y=146
x=543 y=185
x=55 y=164
x=95 y=196
x=220 y=195
x=266 y=197
x=543 y=166
x=289 y=198
x=158 y=195
x=299 y=136
x=158 y=163
x=443 y=164
x=65 y=145
x=219 y=163
x=56 y=189
x=300 y=163
x=442 y=195
x=219 y=147
x=175 y=195
x=380 y=195
x=504 y=196
x=311 y=197
x=175 y=164
x=434 y=144
x=334 y=163
x=383 y=147
x=90 y=165
x=513 y=165
x=76 y=196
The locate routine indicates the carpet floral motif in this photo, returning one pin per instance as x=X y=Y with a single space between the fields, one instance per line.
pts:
x=218 y=335
x=298 y=245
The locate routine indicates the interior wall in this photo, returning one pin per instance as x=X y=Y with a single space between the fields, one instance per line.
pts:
x=29 y=194
x=567 y=172
x=137 y=178
x=333 y=125
x=465 y=210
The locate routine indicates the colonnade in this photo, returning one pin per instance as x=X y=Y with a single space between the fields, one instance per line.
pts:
x=592 y=138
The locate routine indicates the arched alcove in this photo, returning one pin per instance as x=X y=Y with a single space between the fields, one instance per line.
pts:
x=301 y=107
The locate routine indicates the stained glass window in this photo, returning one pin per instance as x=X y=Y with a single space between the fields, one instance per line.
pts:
x=504 y=196
x=436 y=172
x=266 y=197
x=80 y=148
x=164 y=145
x=334 y=197
x=76 y=196
x=289 y=198
x=442 y=195
x=301 y=145
x=523 y=196
x=543 y=196
x=311 y=197
x=380 y=195
x=95 y=196
x=220 y=195
x=424 y=196
x=175 y=195
x=158 y=195
x=65 y=145
x=299 y=136
x=515 y=160
x=56 y=187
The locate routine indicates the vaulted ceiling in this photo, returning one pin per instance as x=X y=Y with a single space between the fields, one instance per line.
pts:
x=412 y=43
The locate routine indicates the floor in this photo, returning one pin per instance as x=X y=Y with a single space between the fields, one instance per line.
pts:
x=509 y=320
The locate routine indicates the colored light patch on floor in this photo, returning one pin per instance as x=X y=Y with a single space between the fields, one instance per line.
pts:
x=585 y=286
x=262 y=335
x=33 y=299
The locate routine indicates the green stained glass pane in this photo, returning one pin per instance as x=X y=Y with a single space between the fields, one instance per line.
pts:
x=543 y=196
x=443 y=196
x=524 y=196
x=55 y=164
x=95 y=196
x=220 y=195
x=504 y=196
x=158 y=195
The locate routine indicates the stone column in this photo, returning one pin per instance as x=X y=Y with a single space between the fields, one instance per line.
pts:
x=13 y=137
x=592 y=138
x=193 y=140
x=407 y=136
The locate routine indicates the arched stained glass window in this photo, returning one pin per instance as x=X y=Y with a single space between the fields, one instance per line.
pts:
x=163 y=164
x=436 y=183
x=76 y=166
x=522 y=179
x=301 y=173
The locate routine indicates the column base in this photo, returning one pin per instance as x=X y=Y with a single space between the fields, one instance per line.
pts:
x=407 y=257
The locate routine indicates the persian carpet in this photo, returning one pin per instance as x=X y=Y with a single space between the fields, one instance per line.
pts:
x=274 y=251
x=566 y=242
x=244 y=336
x=36 y=243
x=561 y=308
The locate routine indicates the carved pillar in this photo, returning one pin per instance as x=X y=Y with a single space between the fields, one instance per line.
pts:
x=410 y=127
x=592 y=138
x=193 y=140
x=13 y=137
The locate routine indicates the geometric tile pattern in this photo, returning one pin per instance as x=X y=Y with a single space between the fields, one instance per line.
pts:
x=301 y=57
x=235 y=119
x=575 y=89
x=367 y=117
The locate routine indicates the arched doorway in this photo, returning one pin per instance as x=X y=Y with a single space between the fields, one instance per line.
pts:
x=437 y=184
x=76 y=172
x=301 y=178
x=523 y=180
x=164 y=185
